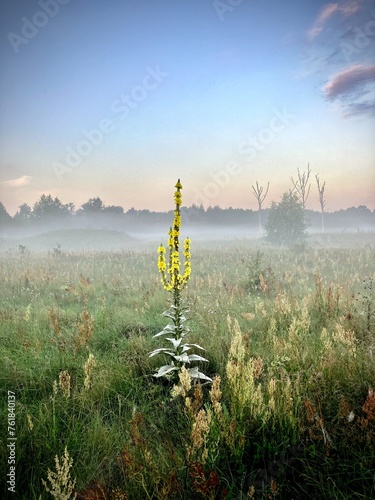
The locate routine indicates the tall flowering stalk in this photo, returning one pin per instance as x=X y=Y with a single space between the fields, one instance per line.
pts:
x=174 y=281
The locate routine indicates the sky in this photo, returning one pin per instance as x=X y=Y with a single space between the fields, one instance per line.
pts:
x=119 y=99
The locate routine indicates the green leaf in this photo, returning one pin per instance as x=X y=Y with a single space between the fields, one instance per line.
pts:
x=197 y=346
x=195 y=357
x=164 y=350
x=164 y=370
x=195 y=373
x=168 y=314
x=176 y=343
x=182 y=359
x=166 y=330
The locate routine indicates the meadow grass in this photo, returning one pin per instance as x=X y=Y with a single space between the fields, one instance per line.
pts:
x=290 y=339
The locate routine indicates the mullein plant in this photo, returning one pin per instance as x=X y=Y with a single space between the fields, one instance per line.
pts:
x=174 y=282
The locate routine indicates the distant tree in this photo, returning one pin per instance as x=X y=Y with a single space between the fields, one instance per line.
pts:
x=258 y=193
x=93 y=206
x=286 y=223
x=71 y=208
x=214 y=214
x=24 y=213
x=322 y=201
x=113 y=209
x=48 y=207
x=193 y=214
x=5 y=218
x=302 y=186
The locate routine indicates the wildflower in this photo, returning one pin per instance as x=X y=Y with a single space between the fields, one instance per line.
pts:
x=88 y=368
x=61 y=482
x=64 y=383
x=30 y=423
x=54 y=388
x=215 y=396
x=200 y=430
x=174 y=281
x=178 y=198
x=184 y=386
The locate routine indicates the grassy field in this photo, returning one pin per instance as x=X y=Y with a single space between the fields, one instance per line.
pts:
x=290 y=339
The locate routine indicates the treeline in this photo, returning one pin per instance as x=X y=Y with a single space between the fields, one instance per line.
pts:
x=95 y=214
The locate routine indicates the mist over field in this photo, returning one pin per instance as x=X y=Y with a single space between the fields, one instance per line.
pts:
x=106 y=232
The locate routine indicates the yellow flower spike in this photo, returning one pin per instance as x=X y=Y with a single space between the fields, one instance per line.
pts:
x=169 y=267
x=173 y=281
x=178 y=198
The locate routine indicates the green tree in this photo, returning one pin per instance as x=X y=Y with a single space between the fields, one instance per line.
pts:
x=24 y=213
x=5 y=218
x=113 y=209
x=286 y=222
x=48 y=207
x=93 y=206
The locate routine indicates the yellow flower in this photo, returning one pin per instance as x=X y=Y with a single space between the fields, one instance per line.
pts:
x=178 y=198
x=171 y=267
x=161 y=265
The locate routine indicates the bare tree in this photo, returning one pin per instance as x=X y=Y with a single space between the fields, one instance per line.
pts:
x=258 y=193
x=302 y=186
x=322 y=200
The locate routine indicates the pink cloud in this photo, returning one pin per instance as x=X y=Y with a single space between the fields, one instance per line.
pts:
x=327 y=11
x=350 y=8
x=347 y=9
x=20 y=182
x=348 y=81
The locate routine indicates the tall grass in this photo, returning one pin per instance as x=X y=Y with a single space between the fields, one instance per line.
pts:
x=291 y=412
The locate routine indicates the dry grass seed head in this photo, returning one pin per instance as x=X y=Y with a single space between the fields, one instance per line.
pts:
x=55 y=322
x=62 y=485
x=183 y=388
x=85 y=329
x=64 y=383
x=88 y=368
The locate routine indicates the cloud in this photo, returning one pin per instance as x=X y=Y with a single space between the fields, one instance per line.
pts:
x=327 y=11
x=347 y=9
x=354 y=89
x=349 y=81
x=20 y=182
x=361 y=108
